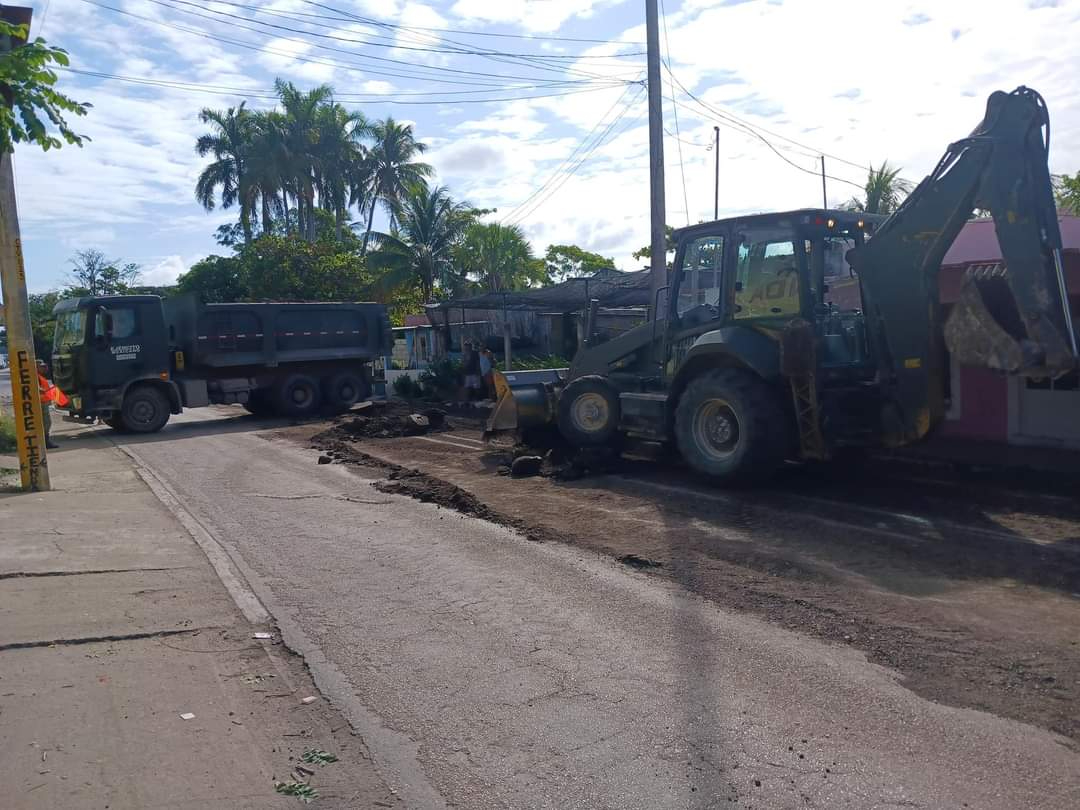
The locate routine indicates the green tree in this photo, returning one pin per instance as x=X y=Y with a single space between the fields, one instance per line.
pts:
x=570 y=261
x=301 y=110
x=341 y=161
x=1068 y=193
x=646 y=252
x=42 y=321
x=34 y=106
x=93 y=273
x=420 y=249
x=394 y=170
x=499 y=258
x=883 y=192
x=215 y=280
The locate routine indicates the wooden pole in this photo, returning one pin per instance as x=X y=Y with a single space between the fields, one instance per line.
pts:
x=26 y=398
x=658 y=241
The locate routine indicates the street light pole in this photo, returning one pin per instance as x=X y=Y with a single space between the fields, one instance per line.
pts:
x=658 y=241
x=716 y=186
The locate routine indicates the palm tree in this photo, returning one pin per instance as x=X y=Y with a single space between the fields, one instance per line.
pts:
x=268 y=167
x=885 y=190
x=230 y=145
x=301 y=111
x=339 y=158
x=428 y=225
x=394 y=169
x=499 y=257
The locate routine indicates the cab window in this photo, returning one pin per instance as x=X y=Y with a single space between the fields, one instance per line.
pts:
x=701 y=282
x=124 y=323
x=767 y=278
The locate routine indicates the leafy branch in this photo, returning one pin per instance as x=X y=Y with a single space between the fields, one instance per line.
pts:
x=27 y=84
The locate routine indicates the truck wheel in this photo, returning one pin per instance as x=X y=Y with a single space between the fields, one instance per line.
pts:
x=259 y=404
x=115 y=422
x=589 y=412
x=145 y=410
x=298 y=395
x=344 y=389
x=729 y=425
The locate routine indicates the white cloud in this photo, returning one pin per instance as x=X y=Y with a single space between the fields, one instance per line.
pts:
x=546 y=16
x=164 y=272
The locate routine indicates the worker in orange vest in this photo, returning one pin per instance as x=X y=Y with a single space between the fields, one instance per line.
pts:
x=49 y=394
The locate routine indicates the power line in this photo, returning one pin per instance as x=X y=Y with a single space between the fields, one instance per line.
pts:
x=569 y=159
x=536 y=37
x=349 y=66
x=370 y=98
x=398 y=46
x=569 y=167
x=815 y=152
x=748 y=130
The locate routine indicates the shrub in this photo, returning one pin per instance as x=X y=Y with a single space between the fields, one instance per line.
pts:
x=408 y=388
x=8 y=442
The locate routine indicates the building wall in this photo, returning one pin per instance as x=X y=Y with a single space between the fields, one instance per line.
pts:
x=979 y=406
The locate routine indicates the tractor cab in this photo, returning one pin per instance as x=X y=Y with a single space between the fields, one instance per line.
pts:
x=764 y=273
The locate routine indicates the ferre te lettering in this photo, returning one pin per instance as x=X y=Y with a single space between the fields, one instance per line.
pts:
x=27 y=381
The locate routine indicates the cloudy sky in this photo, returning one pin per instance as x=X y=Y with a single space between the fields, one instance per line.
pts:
x=533 y=107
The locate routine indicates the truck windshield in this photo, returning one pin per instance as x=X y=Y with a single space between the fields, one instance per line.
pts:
x=70 y=328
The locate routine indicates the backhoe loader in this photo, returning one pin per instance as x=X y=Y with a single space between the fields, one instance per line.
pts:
x=790 y=335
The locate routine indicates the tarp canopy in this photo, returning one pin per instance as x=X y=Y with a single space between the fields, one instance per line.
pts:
x=612 y=288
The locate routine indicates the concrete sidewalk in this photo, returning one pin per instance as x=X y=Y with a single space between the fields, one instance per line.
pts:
x=113 y=624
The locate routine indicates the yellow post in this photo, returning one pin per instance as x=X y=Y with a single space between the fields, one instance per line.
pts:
x=26 y=397
x=29 y=422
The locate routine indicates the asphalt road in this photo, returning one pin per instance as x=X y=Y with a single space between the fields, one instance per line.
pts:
x=486 y=671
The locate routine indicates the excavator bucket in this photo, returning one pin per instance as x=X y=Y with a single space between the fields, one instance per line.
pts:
x=523 y=400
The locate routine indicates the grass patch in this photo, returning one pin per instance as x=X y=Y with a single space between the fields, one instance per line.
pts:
x=7 y=433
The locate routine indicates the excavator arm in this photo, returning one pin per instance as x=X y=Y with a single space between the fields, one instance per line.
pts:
x=1013 y=316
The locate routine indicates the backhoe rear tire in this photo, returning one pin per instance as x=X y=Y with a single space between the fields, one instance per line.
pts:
x=589 y=412
x=730 y=426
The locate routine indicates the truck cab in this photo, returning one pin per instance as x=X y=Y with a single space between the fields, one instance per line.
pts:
x=105 y=344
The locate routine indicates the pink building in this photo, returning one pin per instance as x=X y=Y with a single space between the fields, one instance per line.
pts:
x=989 y=406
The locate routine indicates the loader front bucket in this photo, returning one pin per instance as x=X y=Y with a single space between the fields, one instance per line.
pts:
x=524 y=399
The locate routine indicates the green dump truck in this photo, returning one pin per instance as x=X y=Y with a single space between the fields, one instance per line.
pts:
x=133 y=360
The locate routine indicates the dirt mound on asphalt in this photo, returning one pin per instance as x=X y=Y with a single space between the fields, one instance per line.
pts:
x=385 y=421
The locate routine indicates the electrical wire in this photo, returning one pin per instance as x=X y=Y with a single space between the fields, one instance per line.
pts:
x=746 y=129
x=814 y=152
x=369 y=98
x=349 y=66
x=395 y=45
x=552 y=190
x=567 y=161
x=536 y=37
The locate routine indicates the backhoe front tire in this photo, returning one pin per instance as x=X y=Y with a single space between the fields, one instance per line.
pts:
x=145 y=410
x=730 y=426
x=589 y=412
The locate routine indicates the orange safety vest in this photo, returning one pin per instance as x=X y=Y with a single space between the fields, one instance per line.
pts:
x=50 y=393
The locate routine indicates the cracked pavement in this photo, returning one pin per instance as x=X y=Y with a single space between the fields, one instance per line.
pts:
x=500 y=673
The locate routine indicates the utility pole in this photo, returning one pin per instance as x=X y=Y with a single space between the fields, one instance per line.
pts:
x=658 y=242
x=824 y=196
x=26 y=398
x=716 y=185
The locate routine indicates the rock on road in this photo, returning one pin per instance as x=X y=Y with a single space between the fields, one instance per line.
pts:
x=485 y=671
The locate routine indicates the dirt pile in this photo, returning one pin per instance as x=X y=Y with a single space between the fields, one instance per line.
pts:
x=561 y=462
x=385 y=421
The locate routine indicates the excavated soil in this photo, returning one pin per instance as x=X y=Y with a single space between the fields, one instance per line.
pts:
x=968 y=588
